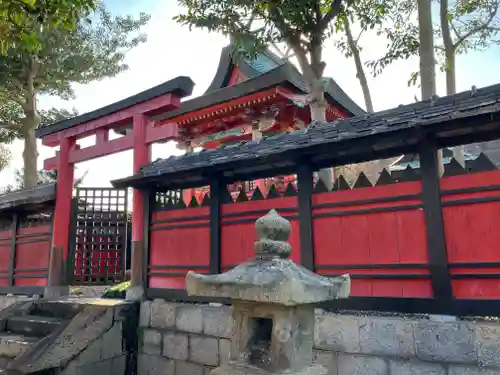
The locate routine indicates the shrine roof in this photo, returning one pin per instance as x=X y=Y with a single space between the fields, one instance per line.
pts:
x=284 y=76
x=267 y=70
x=470 y=116
x=182 y=86
x=26 y=199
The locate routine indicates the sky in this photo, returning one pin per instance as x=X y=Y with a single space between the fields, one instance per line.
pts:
x=173 y=50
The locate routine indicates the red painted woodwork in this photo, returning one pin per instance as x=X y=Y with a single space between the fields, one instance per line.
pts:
x=159 y=104
x=100 y=260
x=179 y=242
x=358 y=235
x=236 y=77
x=109 y=147
x=64 y=194
x=376 y=234
x=142 y=156
x=273 y=95
x=5 y=245
x=32 y=256
x=238 y=228
x=471 y=232
x=32 y=249
x=161 y=132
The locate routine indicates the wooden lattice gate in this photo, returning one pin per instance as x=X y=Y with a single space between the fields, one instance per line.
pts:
x=98 y=240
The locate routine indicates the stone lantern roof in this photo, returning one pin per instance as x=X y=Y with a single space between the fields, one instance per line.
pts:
x=270 y=277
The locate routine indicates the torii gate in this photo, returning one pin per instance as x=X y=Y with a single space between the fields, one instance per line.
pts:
x=130 y=117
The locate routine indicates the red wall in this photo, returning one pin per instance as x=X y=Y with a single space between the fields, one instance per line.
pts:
x=5 y=245
x=376 y=234
x=471 y=221
x=351 y=236
x=238 y=228
x=179 y=242
x=31 y=257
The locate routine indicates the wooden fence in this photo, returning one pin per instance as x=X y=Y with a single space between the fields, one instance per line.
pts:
x=376 y=233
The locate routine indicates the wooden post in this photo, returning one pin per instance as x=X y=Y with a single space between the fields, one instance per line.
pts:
x=216 y=187
x=305 y=185
x=142 y=156
x=148 y=196
x=57 y=285
x=12 y=265
x=436 y=241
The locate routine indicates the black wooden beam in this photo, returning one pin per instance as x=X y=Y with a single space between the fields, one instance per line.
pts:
x=436 y=241
x=12 y=263
x=305 y=184
x=216 y=190
x=148 y=197
x=70 y=263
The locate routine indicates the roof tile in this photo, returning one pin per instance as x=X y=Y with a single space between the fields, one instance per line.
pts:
x=461 y=105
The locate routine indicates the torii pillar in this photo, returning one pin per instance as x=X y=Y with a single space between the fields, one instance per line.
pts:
x=56 y=285
x=142 y=156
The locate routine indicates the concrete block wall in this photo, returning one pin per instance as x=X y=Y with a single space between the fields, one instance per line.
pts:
x=178 y=339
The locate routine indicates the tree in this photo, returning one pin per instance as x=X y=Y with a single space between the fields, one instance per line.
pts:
x=95 y=49
x=466 y=25
x=4 y=156
x=368 y=14
x=20 y=19
x=303 y=25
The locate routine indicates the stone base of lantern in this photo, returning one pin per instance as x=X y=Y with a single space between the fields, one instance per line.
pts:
x=250 y=370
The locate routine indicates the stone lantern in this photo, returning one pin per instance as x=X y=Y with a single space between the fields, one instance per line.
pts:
x=272 y=305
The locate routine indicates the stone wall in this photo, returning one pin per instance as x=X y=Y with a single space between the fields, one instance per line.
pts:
x=188 y=339
x=105 y=356
x=109 y=344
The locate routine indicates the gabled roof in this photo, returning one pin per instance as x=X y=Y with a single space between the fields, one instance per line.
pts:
x=182 y=86
x=475 y=114
x=264 y=63
x=284 y=75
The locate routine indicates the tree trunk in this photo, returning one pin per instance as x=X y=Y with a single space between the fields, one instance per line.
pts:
x=360 y=72
x=449 y=53
x=427 y=60
x=318 y=113
x=426 y=50
x=30 y=157
x=31 y=121
x=316 y=98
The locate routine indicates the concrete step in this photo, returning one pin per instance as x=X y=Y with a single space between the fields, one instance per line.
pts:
x=13 y=344
x=33 y=325
x=55 y=309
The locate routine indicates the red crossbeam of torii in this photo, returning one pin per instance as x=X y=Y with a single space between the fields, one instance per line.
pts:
x=101 y=126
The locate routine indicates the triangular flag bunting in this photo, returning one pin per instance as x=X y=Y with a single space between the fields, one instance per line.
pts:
x=290 y=191
x=362 y=181
x=385 y=178
x=273 y=193
x=482 y=164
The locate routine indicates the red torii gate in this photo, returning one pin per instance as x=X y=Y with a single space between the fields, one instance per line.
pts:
x=131 y=117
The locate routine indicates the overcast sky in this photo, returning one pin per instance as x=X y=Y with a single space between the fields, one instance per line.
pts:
x=173 y=50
